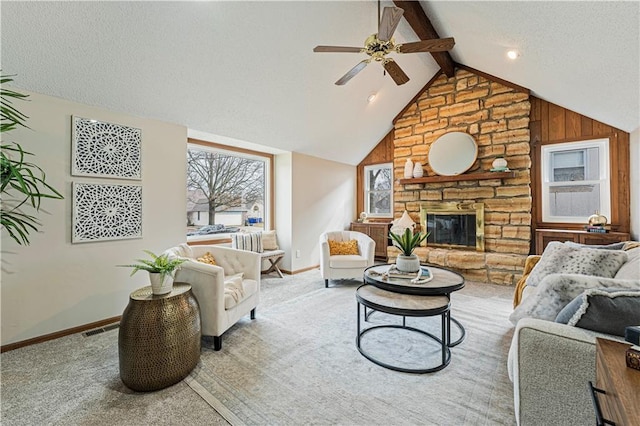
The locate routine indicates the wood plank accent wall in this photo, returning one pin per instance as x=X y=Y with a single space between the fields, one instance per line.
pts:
x=550 y=124
x=382 y=153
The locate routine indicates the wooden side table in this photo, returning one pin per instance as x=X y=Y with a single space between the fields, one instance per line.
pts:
x=545 y=236
x=159 y=338
x=617 y=385
x=379 y=232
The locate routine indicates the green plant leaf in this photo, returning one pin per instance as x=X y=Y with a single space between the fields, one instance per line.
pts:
x=22 y=181
x=157 y=264
x=408 y=241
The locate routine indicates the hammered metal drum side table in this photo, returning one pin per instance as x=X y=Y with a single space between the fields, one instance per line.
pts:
x=159 y=338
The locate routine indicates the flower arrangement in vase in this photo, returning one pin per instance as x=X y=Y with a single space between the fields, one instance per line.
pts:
x=161 y=270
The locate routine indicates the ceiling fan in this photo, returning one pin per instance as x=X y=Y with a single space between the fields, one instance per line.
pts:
x=379 y=45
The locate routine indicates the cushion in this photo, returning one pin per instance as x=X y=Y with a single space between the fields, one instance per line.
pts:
x=249 y=242
x=561 y=258
x=343 y=247
x=605 y=310
x=269 y=240
x=207 y=258
x=347 y=261
x=557 y=290
x=631 y=269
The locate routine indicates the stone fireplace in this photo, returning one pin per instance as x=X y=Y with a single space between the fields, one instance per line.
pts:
x=497 y=116
x=453 y=225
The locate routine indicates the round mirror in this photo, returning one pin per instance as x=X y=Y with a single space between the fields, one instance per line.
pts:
x=453 y=153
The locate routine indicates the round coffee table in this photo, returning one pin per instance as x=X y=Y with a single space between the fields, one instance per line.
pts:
x=444 y=283
x=404 y=305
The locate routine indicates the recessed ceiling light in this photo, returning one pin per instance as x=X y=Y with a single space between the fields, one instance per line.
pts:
x=371 y=97
x=512 y=54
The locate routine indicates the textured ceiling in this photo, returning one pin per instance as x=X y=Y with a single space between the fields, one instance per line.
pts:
x=246 y=71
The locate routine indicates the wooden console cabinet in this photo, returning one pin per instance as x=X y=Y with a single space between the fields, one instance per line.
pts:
x=620 y=402
x=545 y=236
x=379 y=232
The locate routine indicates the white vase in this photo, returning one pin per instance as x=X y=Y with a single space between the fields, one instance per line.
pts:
x=161 y=284
x=408 y=169
x=499 y=164
x=417 y=170
x=408 y=263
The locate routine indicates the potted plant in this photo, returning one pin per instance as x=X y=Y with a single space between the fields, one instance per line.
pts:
x=161 y=271
x=24 y=184
x=407 y=242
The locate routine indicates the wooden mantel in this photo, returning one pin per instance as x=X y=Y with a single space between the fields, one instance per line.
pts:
x=455 y=178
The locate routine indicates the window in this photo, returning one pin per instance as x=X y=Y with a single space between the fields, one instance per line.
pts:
x=227 y=191
x=378 y=190
x=575 y=181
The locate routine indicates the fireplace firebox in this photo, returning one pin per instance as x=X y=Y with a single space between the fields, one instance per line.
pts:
x=453 y=224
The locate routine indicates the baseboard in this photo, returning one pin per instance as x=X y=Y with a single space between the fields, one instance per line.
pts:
x=299 y=271
x=59 y=334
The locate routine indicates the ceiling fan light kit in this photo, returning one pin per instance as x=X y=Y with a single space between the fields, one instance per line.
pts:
x=379 y=45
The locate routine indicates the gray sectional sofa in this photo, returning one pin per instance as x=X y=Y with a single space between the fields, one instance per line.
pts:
x=550 y=363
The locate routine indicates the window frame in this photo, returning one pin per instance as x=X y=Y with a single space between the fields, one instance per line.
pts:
x=605 y=178
x=269 y=210
x=366 y=191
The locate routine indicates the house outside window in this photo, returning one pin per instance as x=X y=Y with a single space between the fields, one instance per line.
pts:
x=575 y=181
x=378 y=190
x=227 y=191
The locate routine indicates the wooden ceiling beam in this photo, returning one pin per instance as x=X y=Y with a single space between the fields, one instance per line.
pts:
x=415 y=16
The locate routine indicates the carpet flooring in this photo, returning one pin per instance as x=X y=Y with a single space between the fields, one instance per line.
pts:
x=295 y=364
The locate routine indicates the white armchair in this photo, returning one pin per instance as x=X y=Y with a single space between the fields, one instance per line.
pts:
x=219 y=310
x=345 y=266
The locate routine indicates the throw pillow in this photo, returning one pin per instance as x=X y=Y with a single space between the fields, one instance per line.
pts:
x=560 y=258
x=557 y=290
x=233 y=291
x=631 y=269
x=269 y=241
x=249 y=242
x=605 y=310
x=343 y=247
x=207 y=258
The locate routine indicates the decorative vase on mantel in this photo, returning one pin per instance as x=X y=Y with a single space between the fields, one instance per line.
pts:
x=408 y=263
x=160 y=283
x=499 y=164
x=408 y=169
x=418 y=172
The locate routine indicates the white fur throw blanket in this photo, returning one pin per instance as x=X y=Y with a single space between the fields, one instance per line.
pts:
x=556 y=290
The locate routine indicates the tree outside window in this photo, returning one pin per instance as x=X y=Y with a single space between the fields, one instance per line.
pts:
x=227 y=187
x=378 y=189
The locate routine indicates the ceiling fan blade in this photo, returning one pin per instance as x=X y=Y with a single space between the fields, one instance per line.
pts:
x=339 y=49
x=395 y=72
x=352 y=72
x=390 y=19
x=434 y=45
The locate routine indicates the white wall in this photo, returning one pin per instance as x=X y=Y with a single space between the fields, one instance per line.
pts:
x=634 y=147
x=53 y=285
x=323 y=200
x=283 y=199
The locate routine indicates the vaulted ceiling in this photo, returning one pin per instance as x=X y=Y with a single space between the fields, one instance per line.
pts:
x=245 y=72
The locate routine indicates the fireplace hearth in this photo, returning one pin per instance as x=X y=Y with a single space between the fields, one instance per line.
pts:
x=453 y=224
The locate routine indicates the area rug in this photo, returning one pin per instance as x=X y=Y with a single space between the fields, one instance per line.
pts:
x=297 y=363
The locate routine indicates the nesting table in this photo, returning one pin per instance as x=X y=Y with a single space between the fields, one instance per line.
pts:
x=399 y=296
